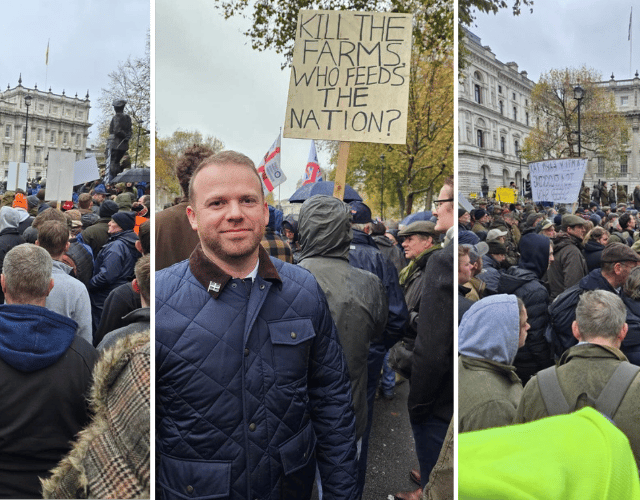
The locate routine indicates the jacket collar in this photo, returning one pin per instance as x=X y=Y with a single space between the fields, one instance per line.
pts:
x=587 y=350
x=214 y=279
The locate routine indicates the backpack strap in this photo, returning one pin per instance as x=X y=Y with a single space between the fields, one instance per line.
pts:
x=552 y=396
x=613 y=393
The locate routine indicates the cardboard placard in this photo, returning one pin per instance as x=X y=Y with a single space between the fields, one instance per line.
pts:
x=60 y=175
x=350 y=77
x=557 y=180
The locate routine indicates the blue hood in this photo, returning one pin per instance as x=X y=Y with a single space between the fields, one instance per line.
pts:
x=534 y=253
x=32 y=337
x=490 y=329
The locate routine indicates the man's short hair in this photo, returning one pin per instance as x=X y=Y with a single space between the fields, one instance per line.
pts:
x=84 y=201
x=49 y=214
x=600 y=314
x=53 y=236
x=143 y=276
x=144 y=235
x=631 y=287
x=27 y=273
x=225 y=158
x=462 y=251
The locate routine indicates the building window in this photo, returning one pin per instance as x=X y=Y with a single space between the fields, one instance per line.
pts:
x=503 y=147
x=623 y=101
x=478 y=93
x=39 y=135
x=38 y=155
x=515 y=113
x=501 y=108
x=65 y=138
x=78 y=114
x=517 y=146
x=526 y=115
x=600 y=165
x=7 y=132
x=7 y=151
x=41 y=107
x=480 y=139
x=53 y=137
x=78 y=140
x=514 y=96
x=526 y=102
x=499 y=89
x=623 y=165
x=24 y=133
x=54 y=109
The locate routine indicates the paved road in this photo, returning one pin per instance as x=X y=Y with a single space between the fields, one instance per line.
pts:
x=391 y=449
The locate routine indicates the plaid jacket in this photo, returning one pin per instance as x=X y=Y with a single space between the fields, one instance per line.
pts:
x=276 y=246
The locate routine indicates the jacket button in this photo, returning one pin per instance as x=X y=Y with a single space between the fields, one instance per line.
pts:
x=261 y=287
x=304 y=454
x=252 y=427
x=233 y=285
x=189 y=489
x=293 y=335
x=246 y=351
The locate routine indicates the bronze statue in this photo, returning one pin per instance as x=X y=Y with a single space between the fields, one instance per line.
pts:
x=118 y=140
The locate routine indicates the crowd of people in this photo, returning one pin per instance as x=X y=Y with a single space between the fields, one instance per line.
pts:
x=74 y=343
x=548 y=315
x=278 y=392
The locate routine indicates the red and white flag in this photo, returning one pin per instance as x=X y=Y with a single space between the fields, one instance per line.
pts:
x=312 y=172
x=269 y=168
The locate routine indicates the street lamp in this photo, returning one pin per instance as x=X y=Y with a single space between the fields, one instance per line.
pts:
x=578 y=95
x=27 y=103
x=518 y=152
x=382 y=188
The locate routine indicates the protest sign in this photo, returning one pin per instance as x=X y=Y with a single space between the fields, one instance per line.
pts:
x=60 y=175
x=17 y=176
x=557 y=180
x=85 y=171
x=506 y=195
x=350 y=77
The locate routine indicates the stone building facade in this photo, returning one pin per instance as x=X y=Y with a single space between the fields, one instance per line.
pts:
x=57 y=122
x=493 y=120
x=626 y=172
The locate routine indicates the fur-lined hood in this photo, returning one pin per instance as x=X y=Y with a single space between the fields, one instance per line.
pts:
x=114 y=445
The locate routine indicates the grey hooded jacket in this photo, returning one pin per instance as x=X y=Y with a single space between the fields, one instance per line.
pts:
x=357 y=299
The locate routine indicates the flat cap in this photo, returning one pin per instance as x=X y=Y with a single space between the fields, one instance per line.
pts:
x=619 y=252
x=424 y=227
x=573 y=220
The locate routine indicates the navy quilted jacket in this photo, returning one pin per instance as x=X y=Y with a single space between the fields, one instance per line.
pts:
x=252 y=386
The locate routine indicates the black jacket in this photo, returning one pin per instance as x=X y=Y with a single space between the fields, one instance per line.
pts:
x=592 y=253
x=431 y=389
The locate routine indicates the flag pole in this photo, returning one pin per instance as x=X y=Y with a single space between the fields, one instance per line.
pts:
x=630 y=44
x=46 y=63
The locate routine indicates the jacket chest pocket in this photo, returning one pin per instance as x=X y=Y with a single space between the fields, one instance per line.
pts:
x=291 y=340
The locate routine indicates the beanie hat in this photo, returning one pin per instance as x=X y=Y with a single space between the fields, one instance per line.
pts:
x=124 y=202
x=32 y=201
x=126 y=220
x=108 y=208
x=20 y=201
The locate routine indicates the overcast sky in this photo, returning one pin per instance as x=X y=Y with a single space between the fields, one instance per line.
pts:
x=565 y=33
x=208 y=78
x=87 y=39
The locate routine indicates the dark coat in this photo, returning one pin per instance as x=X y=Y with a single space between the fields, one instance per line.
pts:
x=120 y=302
x=592 y=253
x=364 y=254
x=631 y=343
x=114 y=266
x=391 y=251
x=569 y=265
x=97 y=235
x=42 y=395
x=247 y=404
x=431 y=390
x=636 y=198
x=9 y=237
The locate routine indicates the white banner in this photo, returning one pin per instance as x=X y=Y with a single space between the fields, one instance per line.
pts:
x=17 y=176
x=85 y=171
x=558 y=181
x=60 y=175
